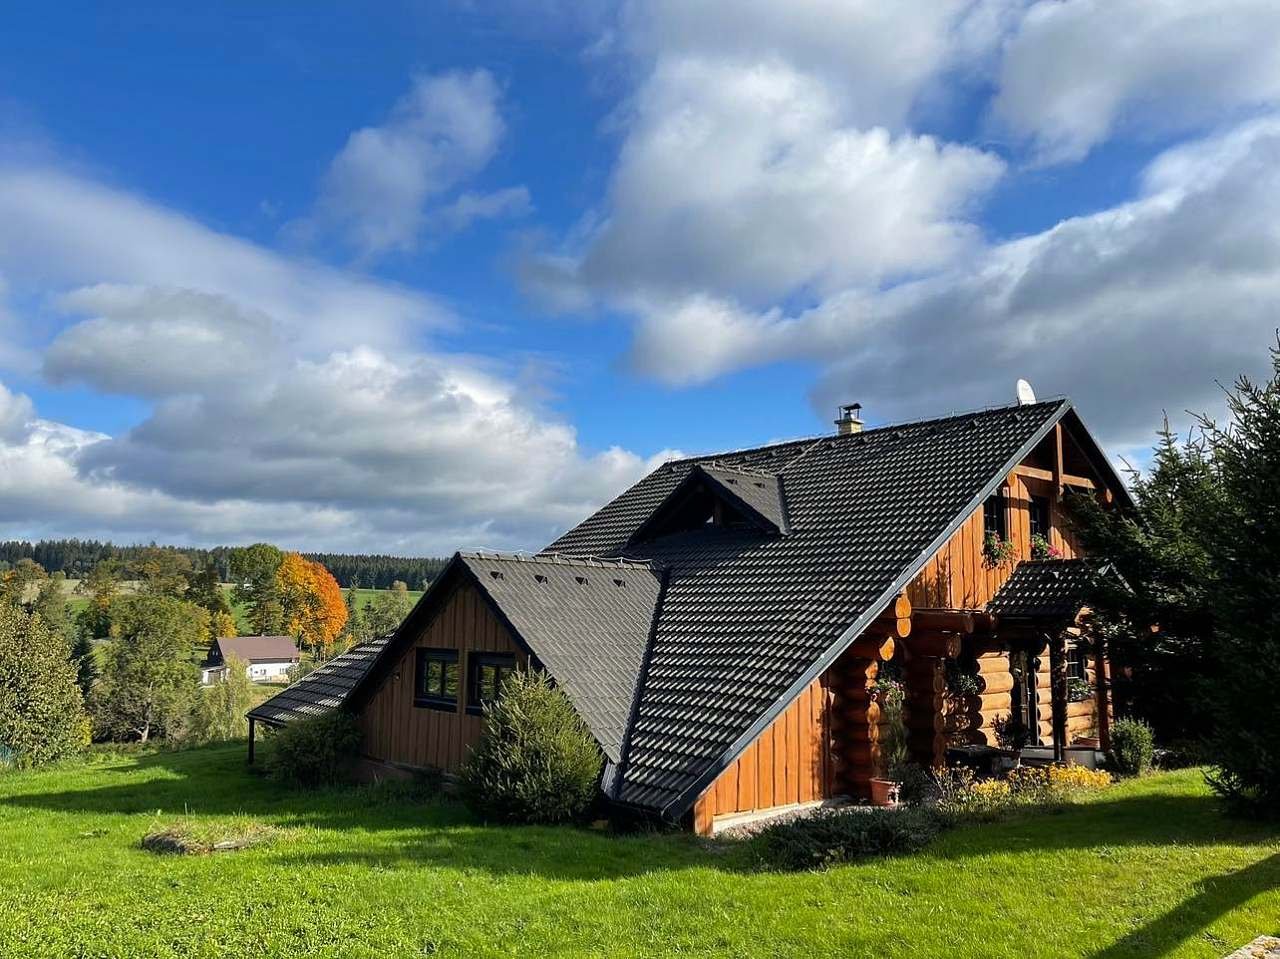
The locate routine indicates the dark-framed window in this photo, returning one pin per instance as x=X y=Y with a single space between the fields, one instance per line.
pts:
x=1038 y=512
x=436 y=679
x=485 y=673
x=994 y=515
x=1076 y=662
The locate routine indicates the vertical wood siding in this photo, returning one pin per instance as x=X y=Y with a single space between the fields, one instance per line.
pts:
x=958 y=576
x=788 y=763
x=395 y=730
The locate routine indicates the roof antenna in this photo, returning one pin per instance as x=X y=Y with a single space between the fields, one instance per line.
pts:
x=1026 y=395
x=850 y=419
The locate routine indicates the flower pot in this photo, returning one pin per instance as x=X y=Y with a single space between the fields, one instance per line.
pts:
x=884 y=792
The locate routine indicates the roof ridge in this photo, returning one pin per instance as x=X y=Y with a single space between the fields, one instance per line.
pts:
x=558 y=559
x=808 y=441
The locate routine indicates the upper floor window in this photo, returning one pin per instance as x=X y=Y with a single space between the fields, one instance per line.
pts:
x=436 y=679
x=485 y=675
x=1038 y=511
x=994 y=516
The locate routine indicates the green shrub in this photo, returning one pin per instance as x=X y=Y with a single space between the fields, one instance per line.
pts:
x=318 y=751
x=831 y=837
x=1133 y=747
x=536 y=762
x=42 y=717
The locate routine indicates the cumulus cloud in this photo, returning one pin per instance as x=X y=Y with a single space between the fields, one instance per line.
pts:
x=1132 y=310
x=377 y=189
x=274 y=411
x=766 y=156
x=1076 y=71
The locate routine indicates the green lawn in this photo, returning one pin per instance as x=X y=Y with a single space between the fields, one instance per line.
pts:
x=1147 y=869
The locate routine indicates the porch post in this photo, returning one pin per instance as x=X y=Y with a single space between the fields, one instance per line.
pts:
x=1058 y=694
x=252 y=729
x=1102 y=689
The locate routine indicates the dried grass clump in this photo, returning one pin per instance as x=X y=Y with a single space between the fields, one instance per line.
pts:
x=191 y=837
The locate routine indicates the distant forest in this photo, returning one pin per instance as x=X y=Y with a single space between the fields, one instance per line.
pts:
x=76 y=557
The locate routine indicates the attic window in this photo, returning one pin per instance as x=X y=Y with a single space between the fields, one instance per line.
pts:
x=496 y=573
x=582 y=580
x=538 y=577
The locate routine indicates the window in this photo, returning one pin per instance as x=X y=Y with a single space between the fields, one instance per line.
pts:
x=993 y=516
x=436 y=685
x=1076 y=663
x=1039 y=514
x=485 y=673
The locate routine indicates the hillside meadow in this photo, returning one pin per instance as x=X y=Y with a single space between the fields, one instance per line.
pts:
x=1148 y=868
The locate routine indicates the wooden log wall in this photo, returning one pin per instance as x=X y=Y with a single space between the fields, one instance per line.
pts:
x=395 y=730
x=925 y=685
x=856 y=725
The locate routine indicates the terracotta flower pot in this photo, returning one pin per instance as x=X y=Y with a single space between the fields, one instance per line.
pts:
x=884 y=792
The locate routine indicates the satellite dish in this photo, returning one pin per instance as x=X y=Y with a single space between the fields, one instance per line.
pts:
x=1026 y=395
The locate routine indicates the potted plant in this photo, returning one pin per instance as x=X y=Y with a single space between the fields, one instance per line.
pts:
x=996 y=551
x=889 y=693
x=1013 y=736
x=1041 y=548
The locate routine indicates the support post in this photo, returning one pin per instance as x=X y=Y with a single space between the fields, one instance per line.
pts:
x=1058 y=695
x=253 y=726
x=1101 y=688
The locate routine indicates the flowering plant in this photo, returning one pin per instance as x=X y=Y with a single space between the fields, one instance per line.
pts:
x=997 y=551
x=1041 y=548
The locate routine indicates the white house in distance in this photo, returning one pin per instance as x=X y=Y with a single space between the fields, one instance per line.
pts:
x=267 y=658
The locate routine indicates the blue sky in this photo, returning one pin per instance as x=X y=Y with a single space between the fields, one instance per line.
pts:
x=439 y=275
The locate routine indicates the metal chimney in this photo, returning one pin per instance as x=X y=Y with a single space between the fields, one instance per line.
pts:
x=850 y=419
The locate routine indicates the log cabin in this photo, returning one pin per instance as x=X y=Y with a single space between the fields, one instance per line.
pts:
x=720 y=626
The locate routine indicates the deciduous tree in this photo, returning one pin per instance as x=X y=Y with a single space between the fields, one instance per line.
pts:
x=148 y=677
x=218 y=710
x=314 y=610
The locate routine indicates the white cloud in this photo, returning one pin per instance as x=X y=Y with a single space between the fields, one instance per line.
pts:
x=377 y=189
x=191 y=341
x=1131 y=310
x=289 y=401
x=59 y=231
x=1076 y=71
x=470 y=207
x=766 y=156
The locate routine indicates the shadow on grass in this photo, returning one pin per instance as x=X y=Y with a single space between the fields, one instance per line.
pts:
x=390 y=829
x=390 y=825
x=1214 y=897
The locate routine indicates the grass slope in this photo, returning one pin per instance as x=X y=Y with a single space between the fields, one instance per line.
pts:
x=1148 y=869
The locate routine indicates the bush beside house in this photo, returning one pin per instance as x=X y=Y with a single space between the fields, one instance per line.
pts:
x=536 y=761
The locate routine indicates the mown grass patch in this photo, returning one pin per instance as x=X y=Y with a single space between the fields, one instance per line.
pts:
x=1148 y=868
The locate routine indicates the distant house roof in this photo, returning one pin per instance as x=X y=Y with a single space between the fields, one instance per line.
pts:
x=1047 y=589
x=258 y=649
x=322 y=690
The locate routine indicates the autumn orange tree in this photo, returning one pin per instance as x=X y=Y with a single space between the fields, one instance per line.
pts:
x=311 y=601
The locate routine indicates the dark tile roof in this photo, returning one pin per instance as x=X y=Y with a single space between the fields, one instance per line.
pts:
x=1051 y=589
x=256 y=649
x=588 y=623
x=749 y=618
x=756 y=495
x=322 y=690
